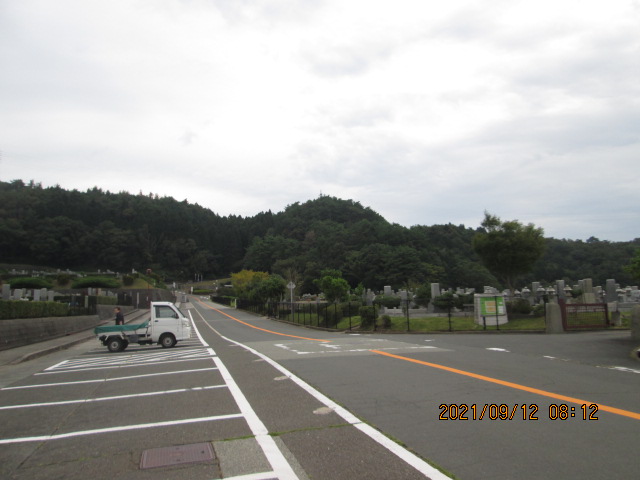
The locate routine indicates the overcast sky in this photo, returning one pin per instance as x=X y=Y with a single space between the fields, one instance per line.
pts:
x=427 y=112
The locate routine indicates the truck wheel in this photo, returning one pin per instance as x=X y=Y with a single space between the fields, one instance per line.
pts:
x=115 y=344
x=167 y=340
x=125 y=344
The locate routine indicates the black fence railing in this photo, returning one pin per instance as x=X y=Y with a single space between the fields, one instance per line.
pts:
x=354 y=316
x=342 y=316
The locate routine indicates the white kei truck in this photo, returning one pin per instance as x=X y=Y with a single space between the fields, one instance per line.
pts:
x=165 y=326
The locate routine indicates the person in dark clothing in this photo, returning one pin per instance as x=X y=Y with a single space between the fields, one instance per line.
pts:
x=119 y=316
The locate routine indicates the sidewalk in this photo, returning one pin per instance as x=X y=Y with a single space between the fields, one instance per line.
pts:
x=13 y=356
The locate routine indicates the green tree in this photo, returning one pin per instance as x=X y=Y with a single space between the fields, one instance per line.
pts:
x=423 y=295
x=446 y=301
x=245 y=280
x=508 y=249
x=331 y=283
x=634 y=267
x=264 y=252
x=271 y=288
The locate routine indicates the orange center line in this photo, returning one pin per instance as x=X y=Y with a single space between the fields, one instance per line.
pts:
x=517 y=386
x=258 y=328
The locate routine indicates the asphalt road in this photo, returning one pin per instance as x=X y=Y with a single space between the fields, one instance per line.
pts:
x=538 y=422
x=251 y=398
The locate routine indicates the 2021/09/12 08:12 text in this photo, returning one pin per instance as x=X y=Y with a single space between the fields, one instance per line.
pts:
x=494 y=411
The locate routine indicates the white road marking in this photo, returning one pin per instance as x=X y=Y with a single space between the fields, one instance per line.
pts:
x=114 y=379
x=338 y=349
x=109 y=367
x=136 y=358
x=122 y=428
x=275 y=457
x=495 y=349
x=372 y=433
x=624 y=369
x=115 y=397
x=255 y=476
x=122 y=361
x=195 y=329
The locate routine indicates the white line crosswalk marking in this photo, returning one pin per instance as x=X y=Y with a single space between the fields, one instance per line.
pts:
x=136 y=359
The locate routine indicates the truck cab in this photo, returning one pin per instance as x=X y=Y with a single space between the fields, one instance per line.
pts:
x=166 y=326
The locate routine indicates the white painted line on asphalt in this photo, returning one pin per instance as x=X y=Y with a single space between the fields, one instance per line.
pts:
x=136 y=359
x=275 y=457
x=116 y=397
x=114 y=379
x=109 y=367
x=57 y=364
x=195 y=329
x=336 y=349
x=255 y=476
x=408 y=457
x=624 y=369
x=495 y=349
x=123 y=428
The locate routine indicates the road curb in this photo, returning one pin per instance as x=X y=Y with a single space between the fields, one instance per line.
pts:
x=48 y=350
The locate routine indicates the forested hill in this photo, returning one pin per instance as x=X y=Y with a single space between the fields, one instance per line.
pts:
x=98 y=229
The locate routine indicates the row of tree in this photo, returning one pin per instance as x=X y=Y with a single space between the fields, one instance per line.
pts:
x=96 y=229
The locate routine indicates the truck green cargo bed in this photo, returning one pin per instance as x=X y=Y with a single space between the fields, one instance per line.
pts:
x=119 y=328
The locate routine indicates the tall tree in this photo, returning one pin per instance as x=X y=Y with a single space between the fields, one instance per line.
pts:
x=634 y=266
x=331 y=283
x=508 y=249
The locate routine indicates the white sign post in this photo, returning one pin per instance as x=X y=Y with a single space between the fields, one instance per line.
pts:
x=291 y=286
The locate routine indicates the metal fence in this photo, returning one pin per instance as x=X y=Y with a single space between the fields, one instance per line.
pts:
x=347 y=316
x=313 y=314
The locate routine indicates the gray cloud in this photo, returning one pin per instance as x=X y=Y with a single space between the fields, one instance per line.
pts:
x=426 y=113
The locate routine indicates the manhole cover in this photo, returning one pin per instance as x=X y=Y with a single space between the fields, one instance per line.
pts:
x=169 y=456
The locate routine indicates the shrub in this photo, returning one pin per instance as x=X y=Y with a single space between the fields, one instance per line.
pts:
x=386 y=321
x=388 y=301
x=519 y=306
x=332 y=314
x=367 y=317
x=96 y=282
x=29 y=282
x=202 y=291
x=10 y=309
x=127 y=280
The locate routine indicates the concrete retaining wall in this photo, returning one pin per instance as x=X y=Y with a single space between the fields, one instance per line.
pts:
x=25 y=331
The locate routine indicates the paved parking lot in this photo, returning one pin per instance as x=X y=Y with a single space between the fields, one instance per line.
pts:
x=181 y=413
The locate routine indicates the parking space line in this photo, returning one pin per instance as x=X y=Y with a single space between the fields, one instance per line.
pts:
x=134 y=358
x=255 y=476
x=122 y=428
x=274 y=456
x=114 y=379
x=115 y=397
x=128 y=365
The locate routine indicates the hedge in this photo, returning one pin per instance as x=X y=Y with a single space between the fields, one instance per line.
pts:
x=11 y=309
